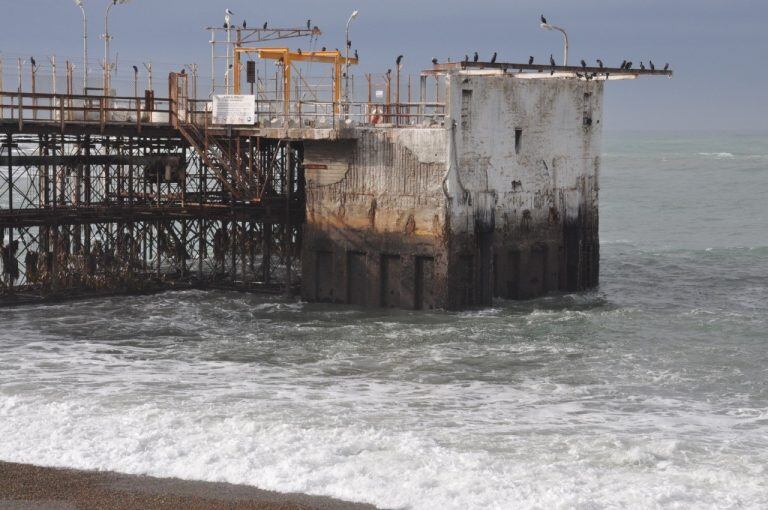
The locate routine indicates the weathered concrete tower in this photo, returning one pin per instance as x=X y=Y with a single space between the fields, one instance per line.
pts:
x=497 y=198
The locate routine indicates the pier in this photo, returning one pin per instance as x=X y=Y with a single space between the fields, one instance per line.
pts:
x=477 y=180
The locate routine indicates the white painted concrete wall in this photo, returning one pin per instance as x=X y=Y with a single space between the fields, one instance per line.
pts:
x=559 y=158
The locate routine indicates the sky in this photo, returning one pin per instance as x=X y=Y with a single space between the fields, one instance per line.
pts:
x=717 y=48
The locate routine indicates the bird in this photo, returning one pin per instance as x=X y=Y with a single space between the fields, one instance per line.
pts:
x=349 y=43
x=398 y=60
x=245 y=25
x=543 y=19
x=551 y=60
x=466 y=58
x=642 y=66
x=493 y=58
x=583 y=63
x=356 y=57
x=666 y=66
x=265 y=26
x=600 y=62
x=32 y=60
x=476 y=57
x=298 y=51
x=530 y=60
x=228 y=17
x=226 y=25
x=434 y=61
x=628 y=66
x=650 y=63
x=183 y=72
x=579 y=75
x=135 y=70
x=623 y=64
x=389 y=73
x=309 y=24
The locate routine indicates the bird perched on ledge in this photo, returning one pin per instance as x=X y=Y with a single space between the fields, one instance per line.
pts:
x=434 y=61
x=530 y=60
x=493 y=58
x=543 y=19
x=600 y=63
x=476 y=57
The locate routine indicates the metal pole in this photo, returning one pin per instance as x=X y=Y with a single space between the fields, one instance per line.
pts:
x=85 y=45
x=106 y=48
x=346 y=58
x=548 y=26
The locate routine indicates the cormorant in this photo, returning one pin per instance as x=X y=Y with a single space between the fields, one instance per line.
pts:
x=623 y=64
x=245 y=25
x=309 y=24
x=466 y=58
x=583 y=63
x=493 y=58
x=398 y=60
x=356 y=57
x=135 y=69
x=642 y=66
x=183 y=71
x=530 y=60
x=629 y=65
x=298 y=51
x=543 y=19
x=226 y=25
x=323 y=48
x=349 y=43
x=551 y=60
x=600 y=62
x=434 y=61
x=476 y=57
x=265 y=25
x=32 y=59
x=666 y=66
x=650 y=63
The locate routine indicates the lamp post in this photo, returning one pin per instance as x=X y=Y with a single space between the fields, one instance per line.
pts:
x=346 y=58
x=79 y=3
x=107 y=37
x=549 y=26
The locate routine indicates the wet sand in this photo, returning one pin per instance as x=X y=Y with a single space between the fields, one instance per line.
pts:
x=27 y=487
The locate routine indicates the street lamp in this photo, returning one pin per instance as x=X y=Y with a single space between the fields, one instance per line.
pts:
x=107 y=37
x=79 y=3
x=346 y=59
x=549 y=26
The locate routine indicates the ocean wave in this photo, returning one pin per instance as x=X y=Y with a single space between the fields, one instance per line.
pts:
x=717 y=155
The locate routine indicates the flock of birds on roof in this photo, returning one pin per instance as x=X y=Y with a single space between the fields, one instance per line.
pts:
x=626 y=65
x=228 y=22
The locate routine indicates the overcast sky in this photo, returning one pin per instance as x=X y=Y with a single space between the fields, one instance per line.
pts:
x=717 y=48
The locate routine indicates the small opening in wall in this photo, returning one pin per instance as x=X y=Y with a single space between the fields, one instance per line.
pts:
x=518 y=140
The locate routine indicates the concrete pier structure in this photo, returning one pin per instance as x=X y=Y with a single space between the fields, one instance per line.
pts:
x=497 y=199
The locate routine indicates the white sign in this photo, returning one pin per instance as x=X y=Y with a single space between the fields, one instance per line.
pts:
x=234 y=109
x=379 y=94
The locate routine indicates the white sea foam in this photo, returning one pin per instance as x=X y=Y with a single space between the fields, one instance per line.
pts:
x=717 y=155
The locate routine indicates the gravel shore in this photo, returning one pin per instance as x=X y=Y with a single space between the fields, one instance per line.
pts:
x=27 y=487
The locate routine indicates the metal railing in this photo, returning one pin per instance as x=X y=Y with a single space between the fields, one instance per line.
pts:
x=23 y=107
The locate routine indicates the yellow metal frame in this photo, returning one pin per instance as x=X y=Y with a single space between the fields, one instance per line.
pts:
x=288 y=57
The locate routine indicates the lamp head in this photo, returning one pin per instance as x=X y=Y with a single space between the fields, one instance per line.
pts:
x=79 y=3
x=354 y=14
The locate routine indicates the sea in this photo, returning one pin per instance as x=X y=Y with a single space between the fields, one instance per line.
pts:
x=648 y=392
